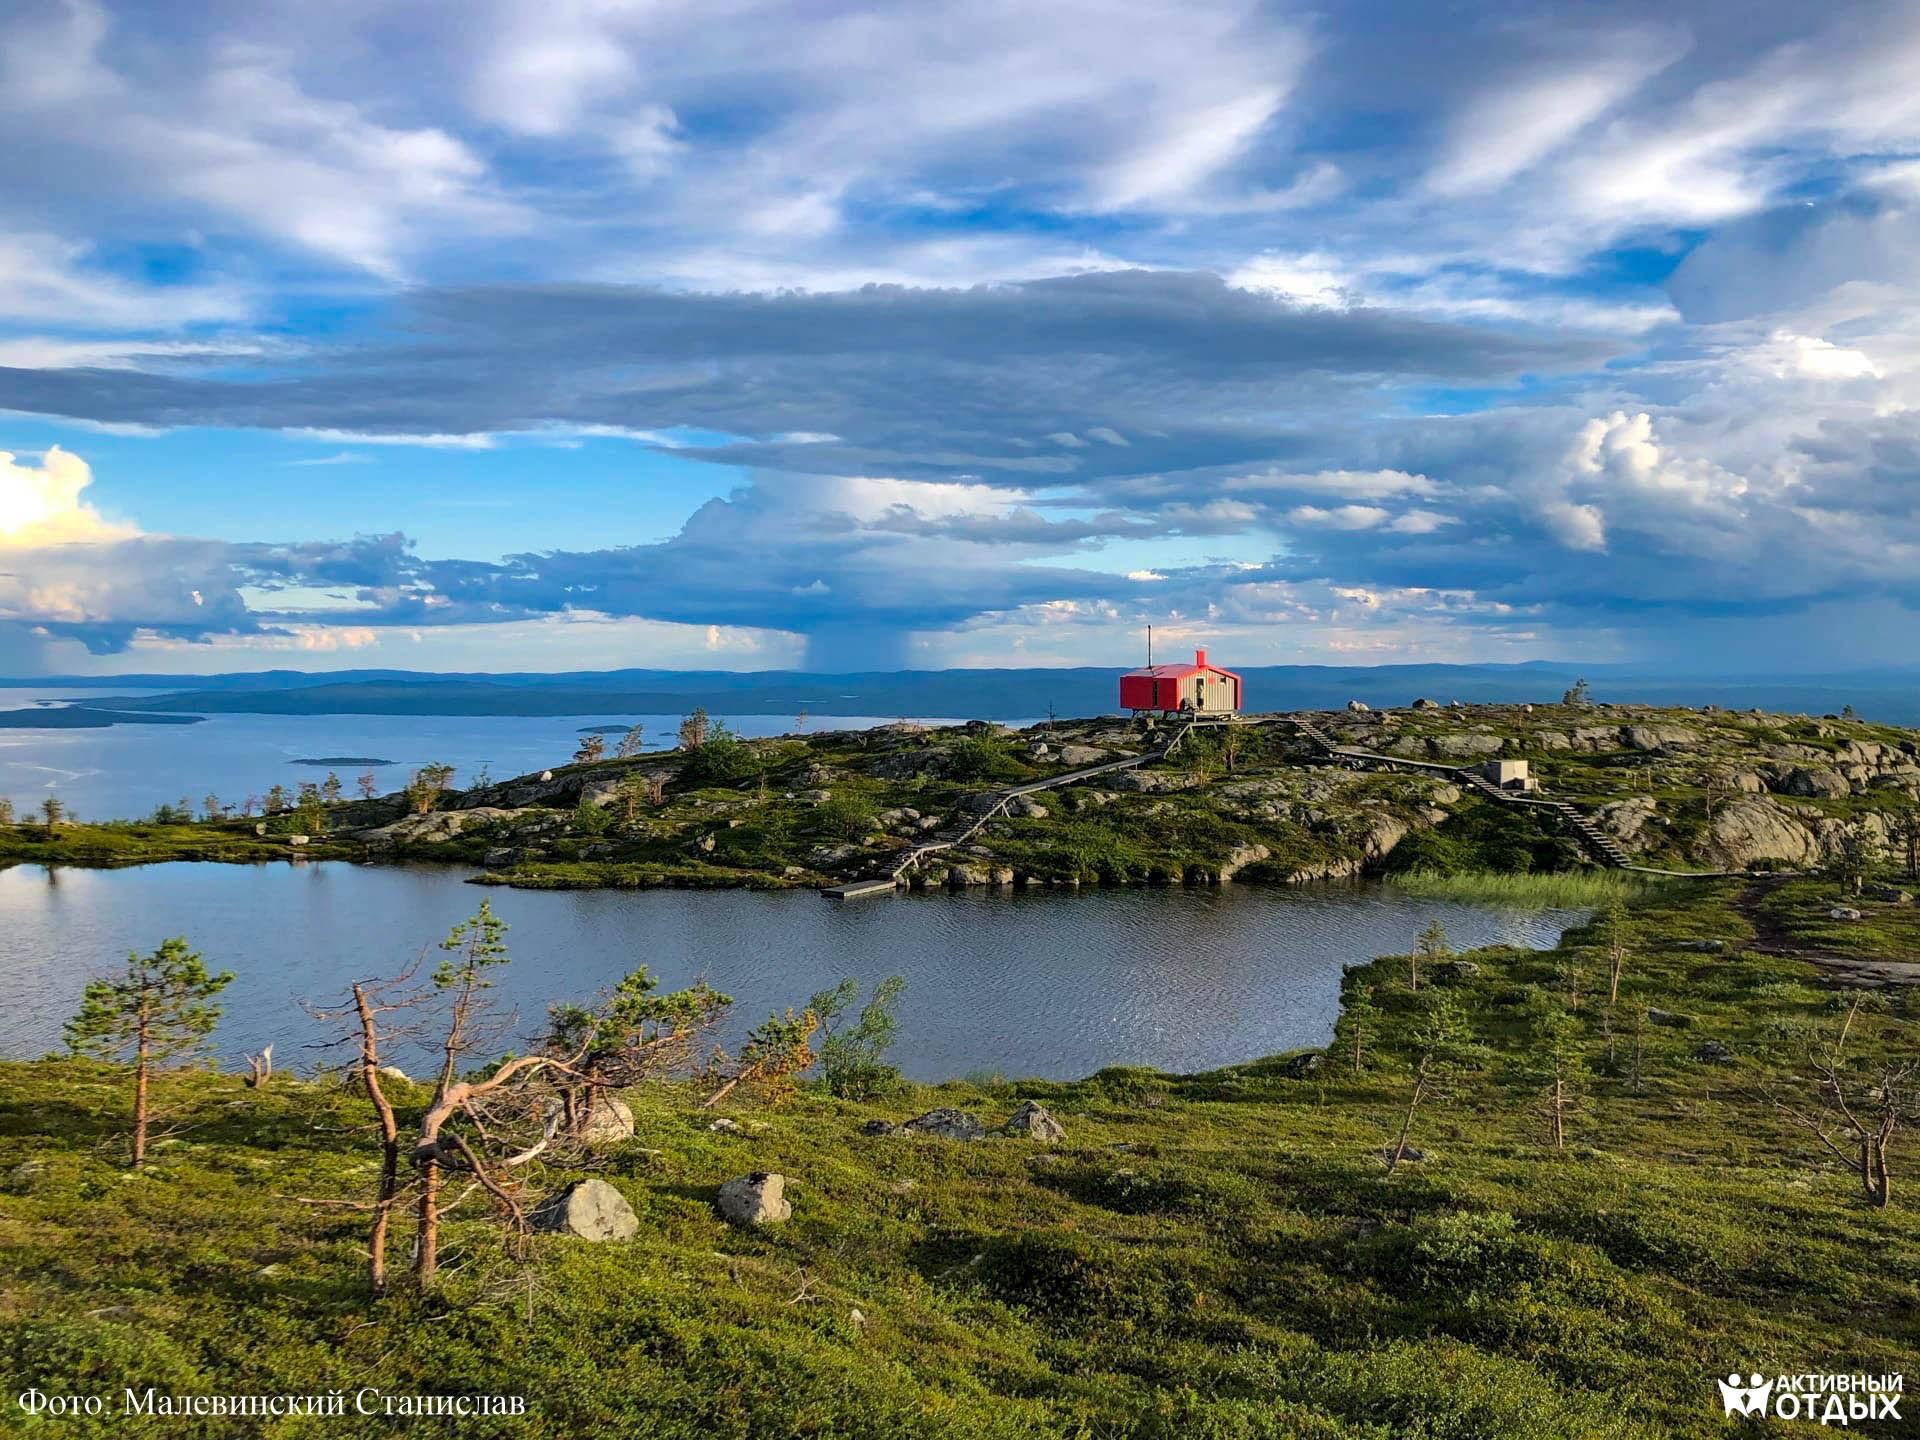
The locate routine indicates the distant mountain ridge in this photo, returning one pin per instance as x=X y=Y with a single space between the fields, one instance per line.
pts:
x=999 y=694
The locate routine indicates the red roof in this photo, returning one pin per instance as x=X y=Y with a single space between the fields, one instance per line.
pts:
x=1181 y=672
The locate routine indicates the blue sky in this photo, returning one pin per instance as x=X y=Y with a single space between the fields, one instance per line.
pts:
x=608 y=333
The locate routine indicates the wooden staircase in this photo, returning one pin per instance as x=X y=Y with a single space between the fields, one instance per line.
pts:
x=1596 y=843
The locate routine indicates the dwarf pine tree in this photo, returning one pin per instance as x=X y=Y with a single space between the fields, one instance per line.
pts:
x=160 y=1009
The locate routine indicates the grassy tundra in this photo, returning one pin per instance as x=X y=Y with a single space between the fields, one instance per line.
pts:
x=1215 y=1255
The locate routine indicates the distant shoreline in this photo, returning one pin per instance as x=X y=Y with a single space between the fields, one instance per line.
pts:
x=84 y=717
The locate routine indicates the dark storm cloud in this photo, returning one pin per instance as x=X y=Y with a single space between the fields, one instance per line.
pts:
x=995 y=380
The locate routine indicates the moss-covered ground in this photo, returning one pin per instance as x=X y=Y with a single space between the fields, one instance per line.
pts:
x=1216 y=1255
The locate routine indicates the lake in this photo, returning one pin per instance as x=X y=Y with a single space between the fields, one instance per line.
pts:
x=122 y=772
x=1052 y=984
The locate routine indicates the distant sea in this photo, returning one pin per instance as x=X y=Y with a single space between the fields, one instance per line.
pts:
x=124 y=771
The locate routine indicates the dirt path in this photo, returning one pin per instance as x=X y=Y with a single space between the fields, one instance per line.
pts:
x=1770 y=938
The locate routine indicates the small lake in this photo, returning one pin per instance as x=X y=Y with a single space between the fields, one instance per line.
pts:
x=1049 y=984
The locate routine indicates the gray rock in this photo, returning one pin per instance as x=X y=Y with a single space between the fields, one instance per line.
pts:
x=1080 y=755
x=945 y=1123
x=1659 y=737
x=1298 y=1067
x=1425 y=704
x=1711 y=1052
x=1148 y=782
x=1027 y=806
x=1359 y=707
x=882 y=1127
x=725 y=1126
x=1036 y=1122
x=1843 y=912
x=25 y=1175
x=1750 y=829
x=1890 y=894
x=498 y=858
x=588 y=1210
x=609 y=1122
x=1700 y=947
x=1463 y=744
x=1457 y=970
x=1669 y=1018
x=394 y=1072
x=756 y=1199
x=1815 y=782
x=1411 y=1153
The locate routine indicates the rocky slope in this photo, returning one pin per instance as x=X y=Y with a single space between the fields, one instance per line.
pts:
x=1704 y=789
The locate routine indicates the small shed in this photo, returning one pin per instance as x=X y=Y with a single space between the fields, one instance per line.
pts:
x=1199 y=688
x=1508 y=774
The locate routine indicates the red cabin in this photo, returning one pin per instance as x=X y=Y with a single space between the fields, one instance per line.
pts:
x=1199 y=688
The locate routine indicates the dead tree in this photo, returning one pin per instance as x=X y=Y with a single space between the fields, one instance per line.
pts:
x=1855 y=1106
x=361 y=1016
x=259 y=1068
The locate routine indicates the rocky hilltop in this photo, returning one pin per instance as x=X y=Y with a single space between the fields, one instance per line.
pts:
x=1700 y=789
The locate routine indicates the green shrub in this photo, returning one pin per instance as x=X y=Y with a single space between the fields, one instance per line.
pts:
x=721 y=759
x=846 y=817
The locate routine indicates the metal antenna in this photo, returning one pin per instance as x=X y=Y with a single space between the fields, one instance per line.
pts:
x=1149 y=647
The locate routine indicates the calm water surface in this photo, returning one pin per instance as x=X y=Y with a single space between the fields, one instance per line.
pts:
x=1053 y=985
x=123 y=771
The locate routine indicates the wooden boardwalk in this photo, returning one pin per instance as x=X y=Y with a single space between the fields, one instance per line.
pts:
x=885 y=881
x=1599 y=846
x=891 y=873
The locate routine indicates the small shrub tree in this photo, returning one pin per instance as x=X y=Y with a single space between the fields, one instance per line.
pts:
x=593 y=746
x=1904 y=828
x=52 y=812
x=425 y=786
x=775 y=1052
x=1430 y=946
x=1354 y=1032
x=846 y=817
x=853 y=1058
x=365 y=784
x=1443 y=1047
x=722 y=758
x=636 y=1036
x=330 y=789
x=1852 y=856
x=1556 y=1066
x=631 y=743
x=160 y=1009
x=1616 y=940
x=693 y=729
x=590 y=819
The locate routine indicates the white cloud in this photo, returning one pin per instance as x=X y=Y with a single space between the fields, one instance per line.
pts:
x=1343 y=517
x=41 y=504
x=1506 y=132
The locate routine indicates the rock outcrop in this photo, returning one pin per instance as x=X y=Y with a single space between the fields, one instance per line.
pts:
x=756 y=1199
x=1034 y=1121
x=588 y=1210
x=1750 y=829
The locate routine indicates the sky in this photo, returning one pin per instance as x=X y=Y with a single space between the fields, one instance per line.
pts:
x=740 y=335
